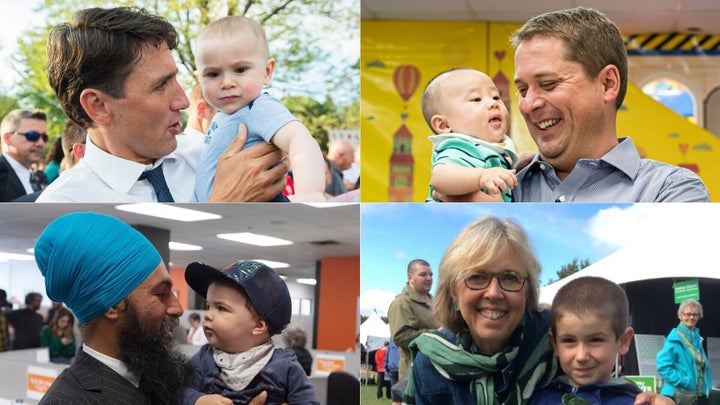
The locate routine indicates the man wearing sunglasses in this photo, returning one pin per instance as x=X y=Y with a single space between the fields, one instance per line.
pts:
x=114 y=74
x=24 y=134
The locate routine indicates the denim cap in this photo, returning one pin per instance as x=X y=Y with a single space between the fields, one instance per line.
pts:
x=265 y=289
x=92 y=261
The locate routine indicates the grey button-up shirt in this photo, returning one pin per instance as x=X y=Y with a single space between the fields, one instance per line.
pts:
x=619 y=176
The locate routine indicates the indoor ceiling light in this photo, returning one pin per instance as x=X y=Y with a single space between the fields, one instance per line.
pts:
x=274 y=265
x=254 y=239
x=185 y=247
x=8 y=257
x=168 y=211
x=309 y=281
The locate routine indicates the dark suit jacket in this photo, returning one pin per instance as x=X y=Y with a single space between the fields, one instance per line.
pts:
x=10 y=185
x=89 y=382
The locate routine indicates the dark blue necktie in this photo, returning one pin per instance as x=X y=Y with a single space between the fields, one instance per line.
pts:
x=36 y=181
x=157 y=180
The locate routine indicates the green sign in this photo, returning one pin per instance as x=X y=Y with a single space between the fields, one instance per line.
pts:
x=685 y=290
x=646 y=383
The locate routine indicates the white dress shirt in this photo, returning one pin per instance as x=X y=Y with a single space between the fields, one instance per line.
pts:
x=115 y=364
x=100 y=177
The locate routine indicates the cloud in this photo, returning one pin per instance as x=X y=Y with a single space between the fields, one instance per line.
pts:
x=400 y=255
x=375 y=300
x=617 y=227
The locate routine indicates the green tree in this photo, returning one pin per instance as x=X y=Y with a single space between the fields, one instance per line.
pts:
x=7 y=104
x=320 y=117
x=571 y=268
x=303 y=37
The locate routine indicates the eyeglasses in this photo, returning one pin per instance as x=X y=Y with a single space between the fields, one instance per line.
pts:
x=509 y=281
x=33 y=136
x=691 y=315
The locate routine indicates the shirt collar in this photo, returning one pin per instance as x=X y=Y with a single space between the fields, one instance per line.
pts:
x=17 y=167
x=114 y=364
x=624 y=157
x=118 y=173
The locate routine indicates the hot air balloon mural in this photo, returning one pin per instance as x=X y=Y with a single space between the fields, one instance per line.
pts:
x=400 y=187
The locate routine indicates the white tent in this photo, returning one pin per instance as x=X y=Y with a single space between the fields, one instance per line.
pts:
x=374 y=332
x=686 y=255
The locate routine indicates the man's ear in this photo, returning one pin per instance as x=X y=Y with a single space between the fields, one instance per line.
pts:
x=260 y=327
x=78 y=150
x=6 y=139
x=114 y=311
x=610 y=79
x=94 y=102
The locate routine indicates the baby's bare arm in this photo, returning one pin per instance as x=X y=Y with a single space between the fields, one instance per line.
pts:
x=306 y=161
x=454 y=180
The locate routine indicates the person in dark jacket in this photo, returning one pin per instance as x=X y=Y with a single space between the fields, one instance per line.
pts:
x=295 y=339
x=26 y=323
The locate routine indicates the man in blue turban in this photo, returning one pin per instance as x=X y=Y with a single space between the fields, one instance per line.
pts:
x=115 y=282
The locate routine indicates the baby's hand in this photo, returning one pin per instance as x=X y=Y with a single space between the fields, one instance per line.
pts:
x=213 y=399
x=496 y=180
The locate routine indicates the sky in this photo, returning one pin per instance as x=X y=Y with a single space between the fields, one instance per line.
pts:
x=394 y=234
x=16 y=17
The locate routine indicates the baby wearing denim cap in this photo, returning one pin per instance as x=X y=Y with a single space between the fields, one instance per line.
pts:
x=247 y=304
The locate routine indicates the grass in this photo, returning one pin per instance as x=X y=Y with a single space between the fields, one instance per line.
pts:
x=368 y=396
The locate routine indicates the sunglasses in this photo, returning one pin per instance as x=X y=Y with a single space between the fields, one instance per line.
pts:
x=33 y=136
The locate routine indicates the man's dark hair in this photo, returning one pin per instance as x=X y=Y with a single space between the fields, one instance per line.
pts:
x=99 y=48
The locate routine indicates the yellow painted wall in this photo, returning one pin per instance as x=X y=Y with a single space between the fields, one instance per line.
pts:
x=431 y=47
x=661 y=134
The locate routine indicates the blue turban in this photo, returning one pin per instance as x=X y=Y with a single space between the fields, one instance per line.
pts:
x=92 y=261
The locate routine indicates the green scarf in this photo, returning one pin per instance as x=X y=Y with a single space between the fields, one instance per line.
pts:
x=464 y=362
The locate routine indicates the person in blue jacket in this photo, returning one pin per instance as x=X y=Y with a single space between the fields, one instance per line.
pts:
x=392 y=365
x=588 y=322
x=682 y=362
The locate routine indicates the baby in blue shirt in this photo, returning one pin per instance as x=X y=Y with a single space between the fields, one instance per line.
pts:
x=233 y=65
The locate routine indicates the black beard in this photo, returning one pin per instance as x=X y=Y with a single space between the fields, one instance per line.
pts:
x=162 y=367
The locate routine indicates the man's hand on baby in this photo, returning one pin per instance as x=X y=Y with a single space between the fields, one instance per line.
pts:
x=496 y=180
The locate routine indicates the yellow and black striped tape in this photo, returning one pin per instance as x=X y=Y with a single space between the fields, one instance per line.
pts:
x=672 y=44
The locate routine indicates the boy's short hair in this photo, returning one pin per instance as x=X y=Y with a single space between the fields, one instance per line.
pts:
x=266 y=293
x=594 y=295
x=230 y=25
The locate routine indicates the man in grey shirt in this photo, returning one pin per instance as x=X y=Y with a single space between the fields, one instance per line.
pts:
x=571 y=74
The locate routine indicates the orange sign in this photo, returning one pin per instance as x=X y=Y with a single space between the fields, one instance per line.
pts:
x=39 y=383
x=39 y=380
x=325 y=364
